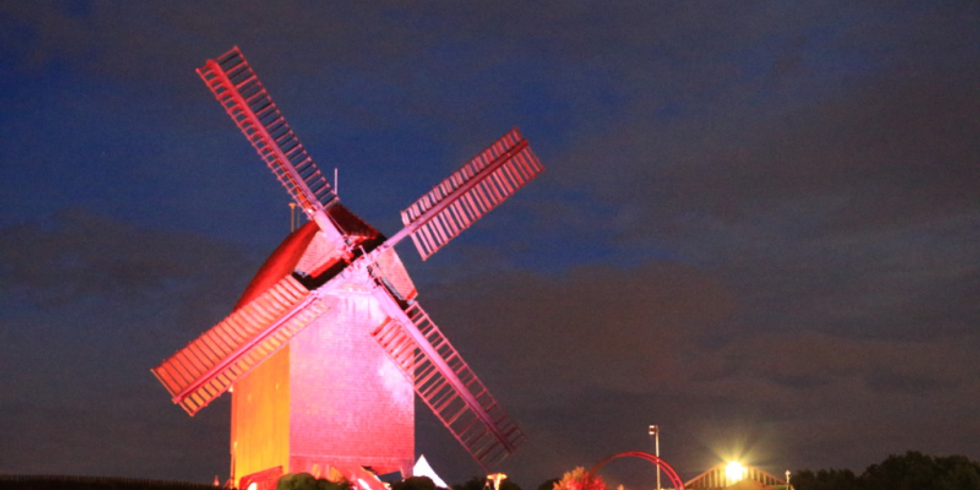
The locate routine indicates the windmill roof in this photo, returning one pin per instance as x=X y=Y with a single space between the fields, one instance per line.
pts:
x=280 y=264
x=284 y=258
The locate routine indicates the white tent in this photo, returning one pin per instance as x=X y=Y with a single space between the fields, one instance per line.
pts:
x=422 y=468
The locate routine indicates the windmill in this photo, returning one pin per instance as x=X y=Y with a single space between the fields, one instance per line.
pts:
x=328 y=346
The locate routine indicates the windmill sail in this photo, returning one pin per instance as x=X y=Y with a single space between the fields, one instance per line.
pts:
x=470 y=192
x=206 y=368
x=245 y=99
x=446 y=383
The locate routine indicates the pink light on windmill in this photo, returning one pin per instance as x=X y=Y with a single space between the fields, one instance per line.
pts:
x=328 y=342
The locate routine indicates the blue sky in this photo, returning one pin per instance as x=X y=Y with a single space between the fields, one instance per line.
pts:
x=758 y=226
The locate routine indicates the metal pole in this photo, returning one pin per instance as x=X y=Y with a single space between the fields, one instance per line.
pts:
x=657 y=441
x=654 y=431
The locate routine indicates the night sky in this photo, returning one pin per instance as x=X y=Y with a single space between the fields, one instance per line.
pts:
x=759 y=226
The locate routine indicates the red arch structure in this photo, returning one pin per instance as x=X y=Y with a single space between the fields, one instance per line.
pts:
x=674 y=479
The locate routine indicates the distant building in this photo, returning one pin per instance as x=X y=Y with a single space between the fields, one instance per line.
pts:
x=737 y=477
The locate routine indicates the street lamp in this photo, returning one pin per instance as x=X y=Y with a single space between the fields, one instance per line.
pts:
x=654 y=431
x=735 y=472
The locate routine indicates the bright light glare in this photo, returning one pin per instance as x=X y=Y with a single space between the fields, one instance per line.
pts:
x=735 y=472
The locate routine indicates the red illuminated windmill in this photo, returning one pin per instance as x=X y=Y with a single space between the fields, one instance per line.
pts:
x=328 y=343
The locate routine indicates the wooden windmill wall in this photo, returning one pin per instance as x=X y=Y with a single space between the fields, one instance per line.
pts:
x=330 y=398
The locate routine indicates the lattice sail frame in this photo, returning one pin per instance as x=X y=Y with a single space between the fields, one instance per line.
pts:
x=445 y=382
x=474 y=190
x=246 y=100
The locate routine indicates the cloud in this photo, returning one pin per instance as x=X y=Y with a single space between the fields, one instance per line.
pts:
x=633 y=323
x=89 y=305
x=757 y=226
x=611 y=350
x=76 y=255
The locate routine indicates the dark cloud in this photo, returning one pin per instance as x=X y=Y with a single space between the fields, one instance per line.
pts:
x=757 y=226
x=636 y=323
x=570 y=352
x=78 y=257
x=89 y=306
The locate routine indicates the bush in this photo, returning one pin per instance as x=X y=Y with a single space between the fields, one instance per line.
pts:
x=306 y=481
x=579 y=479
x=414 y=483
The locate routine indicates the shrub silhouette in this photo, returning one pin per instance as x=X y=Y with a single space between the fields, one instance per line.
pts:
x=306 y=481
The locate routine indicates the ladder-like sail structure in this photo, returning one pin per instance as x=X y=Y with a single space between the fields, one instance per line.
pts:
x=471 y=192
x=447 y=384
x=206 y=368
x=245 y=99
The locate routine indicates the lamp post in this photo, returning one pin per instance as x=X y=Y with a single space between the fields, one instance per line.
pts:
x=654 y=431
x=788 y=486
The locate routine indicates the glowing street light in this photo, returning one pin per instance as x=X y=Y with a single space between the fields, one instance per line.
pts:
x=735 y=472
x=496 y=479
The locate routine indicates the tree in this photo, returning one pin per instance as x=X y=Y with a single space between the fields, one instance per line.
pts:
x=917 y=471
x=480 y=483
x=958 y=472
x=826 y=480
x=910 y=471
x=549 y=484
x=579 y=479
x=414 y=483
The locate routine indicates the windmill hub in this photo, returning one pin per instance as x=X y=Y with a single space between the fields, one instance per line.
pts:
x=328 y=345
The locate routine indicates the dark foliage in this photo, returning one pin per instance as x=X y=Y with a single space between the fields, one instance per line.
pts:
x=911 y=471
x=306 y=481
x=414 y=483
x=916 y=471
x=480 y=483
x=826 y=480
x=15 y=482
x=549 y=484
